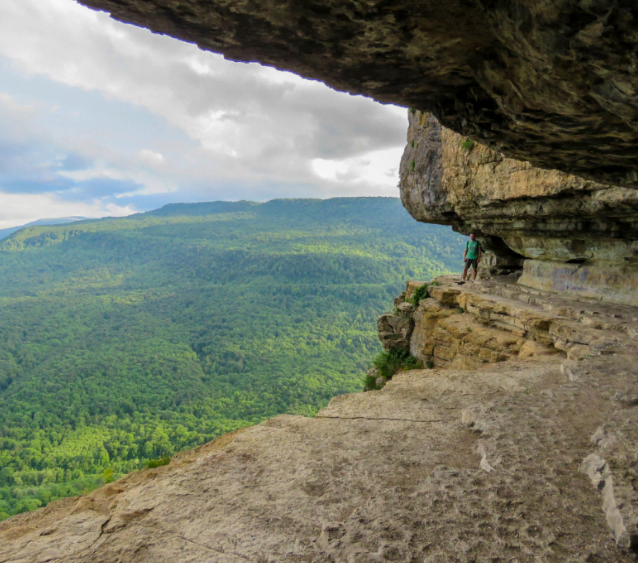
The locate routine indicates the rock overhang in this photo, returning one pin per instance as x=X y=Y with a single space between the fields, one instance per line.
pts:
x=551 y=82
x=559 y=232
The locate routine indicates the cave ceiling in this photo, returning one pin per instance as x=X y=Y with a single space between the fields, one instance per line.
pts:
x=553 y=82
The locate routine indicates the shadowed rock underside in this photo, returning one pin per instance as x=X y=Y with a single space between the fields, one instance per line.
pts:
x=553 y=82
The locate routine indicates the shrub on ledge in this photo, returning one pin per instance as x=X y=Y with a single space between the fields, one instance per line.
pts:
x=158 y=462
x=389 y=363
x=420 y=294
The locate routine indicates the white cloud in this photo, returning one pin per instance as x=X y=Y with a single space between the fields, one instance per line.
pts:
x=270 y=133
x=153 y=158
x=9 y=104
x=18 y=209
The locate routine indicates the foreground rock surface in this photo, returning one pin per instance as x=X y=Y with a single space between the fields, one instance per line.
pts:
x=552 y=82
x=499 y=464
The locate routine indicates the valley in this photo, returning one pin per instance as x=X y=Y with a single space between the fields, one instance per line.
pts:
x=127 y=340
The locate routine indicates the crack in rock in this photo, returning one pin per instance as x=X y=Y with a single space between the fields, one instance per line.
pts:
x=372 y=418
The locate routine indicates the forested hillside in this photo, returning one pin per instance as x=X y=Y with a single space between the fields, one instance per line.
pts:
x=126 y=340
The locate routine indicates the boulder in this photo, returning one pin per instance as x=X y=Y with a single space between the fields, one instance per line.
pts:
x=395 y=331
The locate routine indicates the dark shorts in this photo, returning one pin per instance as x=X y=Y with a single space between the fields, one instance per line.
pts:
x=471 y=263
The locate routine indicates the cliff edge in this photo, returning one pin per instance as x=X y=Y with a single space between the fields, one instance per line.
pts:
x=524 y=459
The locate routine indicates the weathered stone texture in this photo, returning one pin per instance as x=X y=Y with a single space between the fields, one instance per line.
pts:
x=466 y=327
x=395 y=330
x=550 y=82
x=445 y=178
x=605 y=281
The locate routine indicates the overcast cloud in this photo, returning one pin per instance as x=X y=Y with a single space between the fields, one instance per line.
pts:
x=101 y=118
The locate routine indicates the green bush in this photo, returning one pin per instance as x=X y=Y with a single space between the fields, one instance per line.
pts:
x=413 y=165
x=370 y=384
x=420 y=294
x=429 y=364
x=467 y=145
x=412 y=111
x=460 y=310
x=389 y=363
x=151 y=463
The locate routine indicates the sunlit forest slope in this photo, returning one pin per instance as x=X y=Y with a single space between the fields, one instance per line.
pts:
x=126 y=340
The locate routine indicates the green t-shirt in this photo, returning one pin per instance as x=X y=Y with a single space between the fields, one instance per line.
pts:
x=472 y=248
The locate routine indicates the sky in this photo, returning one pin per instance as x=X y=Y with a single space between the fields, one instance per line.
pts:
x=99 y=118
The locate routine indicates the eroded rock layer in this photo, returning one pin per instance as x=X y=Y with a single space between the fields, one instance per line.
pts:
x=497 y=320
x=551 y=82
x=579 y=236
x=527 y=460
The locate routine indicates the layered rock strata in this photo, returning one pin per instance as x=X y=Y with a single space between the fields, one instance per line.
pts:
x=561 y=232
x=527 y=460
x=498 y=320
x=553 y=83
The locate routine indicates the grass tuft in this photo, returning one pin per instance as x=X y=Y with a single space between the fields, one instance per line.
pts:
x=152 y=463
x=467 y=145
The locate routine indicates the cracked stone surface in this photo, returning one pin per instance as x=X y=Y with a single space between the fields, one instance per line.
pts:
x=552 y=82
x=529 y=461
x=467 y=326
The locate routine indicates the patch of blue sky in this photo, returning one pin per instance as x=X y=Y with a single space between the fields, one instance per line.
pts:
x=75 y=113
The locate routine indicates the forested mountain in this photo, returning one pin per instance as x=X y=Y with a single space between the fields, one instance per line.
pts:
x=4 y=233
x=125 y=340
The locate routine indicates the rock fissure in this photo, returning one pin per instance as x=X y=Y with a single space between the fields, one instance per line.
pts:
x=218 y=551
x=324 y=417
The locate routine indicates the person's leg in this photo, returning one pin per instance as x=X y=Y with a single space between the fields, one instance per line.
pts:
x=474 y=269
x=464 y=272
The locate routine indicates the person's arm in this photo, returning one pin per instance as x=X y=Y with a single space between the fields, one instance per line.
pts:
x=465 y=253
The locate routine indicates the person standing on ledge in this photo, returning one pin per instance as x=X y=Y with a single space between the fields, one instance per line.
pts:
x=471 y=257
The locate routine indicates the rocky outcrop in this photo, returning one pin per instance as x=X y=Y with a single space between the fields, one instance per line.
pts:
x=395 y=329
x=491 y=464
x=577 y=235
x=500 y=320
x=553 y=83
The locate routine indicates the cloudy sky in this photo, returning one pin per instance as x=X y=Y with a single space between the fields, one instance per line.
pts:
x=100 y=118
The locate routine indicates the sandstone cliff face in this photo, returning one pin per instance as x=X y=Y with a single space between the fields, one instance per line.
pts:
x=550 y=82
x=577 y=235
